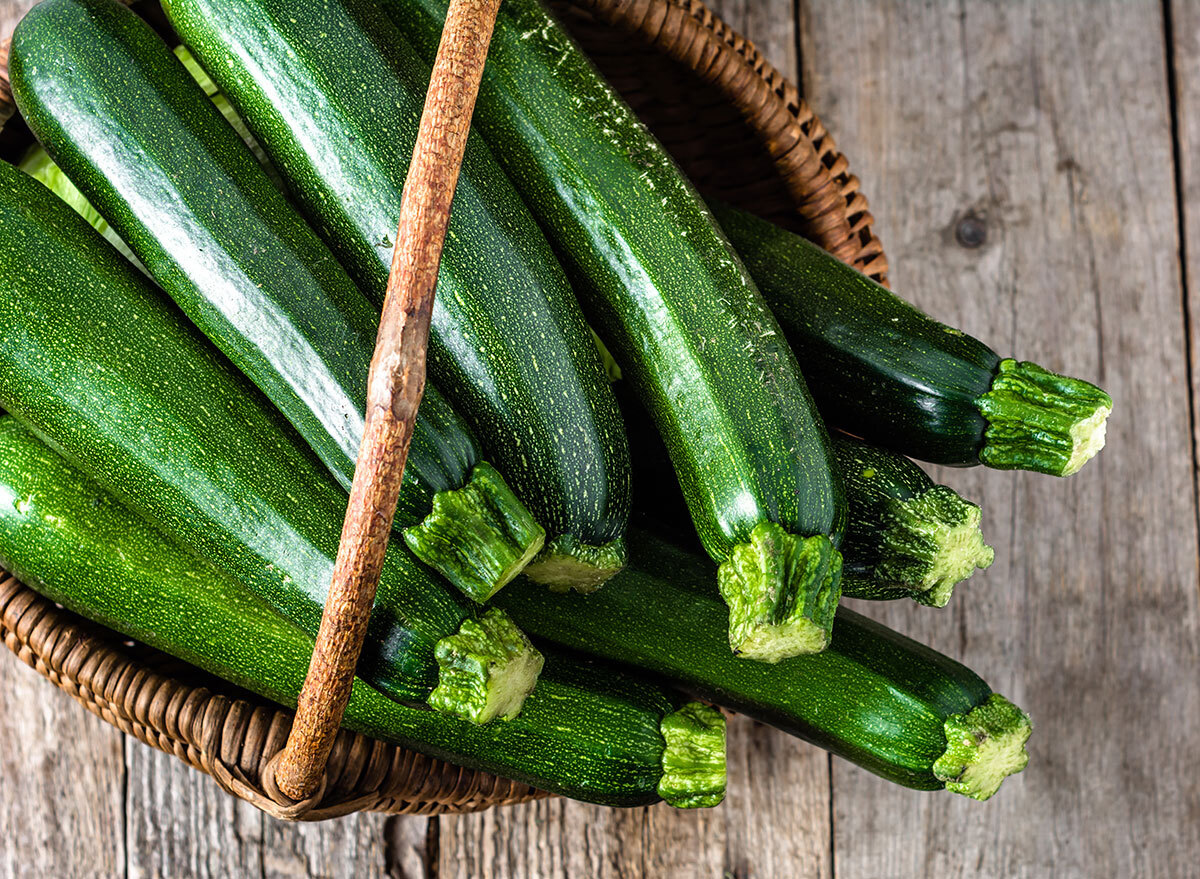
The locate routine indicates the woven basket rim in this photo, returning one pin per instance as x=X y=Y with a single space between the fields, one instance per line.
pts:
x=233 y=736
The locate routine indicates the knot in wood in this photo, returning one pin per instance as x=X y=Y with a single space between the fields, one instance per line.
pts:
x=971 y=230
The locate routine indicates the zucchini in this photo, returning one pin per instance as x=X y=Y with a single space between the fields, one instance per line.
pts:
x=886 y=372
x=874 y=697
x=38 y=165
x=102 y=367
x=586 y=731
x=681 y=316
x=906 y=536
x=196 y=72
x=199 y=212
x=334 y=94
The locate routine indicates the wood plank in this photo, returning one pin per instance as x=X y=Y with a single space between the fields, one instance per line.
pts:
x=777 y=814
x=561 y=838
x=1050 y=122
x=1185 y=58
x=774 y=822
x=62 y=769
x=179 y=823
x=362 y=846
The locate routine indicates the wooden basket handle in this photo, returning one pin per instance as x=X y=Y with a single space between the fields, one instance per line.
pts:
x=397 y=381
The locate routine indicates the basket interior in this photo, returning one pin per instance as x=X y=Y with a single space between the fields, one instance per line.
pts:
x=697 y=125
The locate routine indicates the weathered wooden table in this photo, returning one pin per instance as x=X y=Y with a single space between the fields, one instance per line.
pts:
x=1035 y=174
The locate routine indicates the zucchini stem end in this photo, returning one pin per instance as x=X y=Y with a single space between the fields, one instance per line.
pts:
x=1041 y=421
x=983 y=747
x=693 y=763
x=782 y=591
x=567 y=563
x=931 y=543
x=479 y=536
x=485 y=670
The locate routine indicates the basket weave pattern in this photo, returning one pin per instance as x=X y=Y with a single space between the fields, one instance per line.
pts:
x=741 y=130
x=137 y=690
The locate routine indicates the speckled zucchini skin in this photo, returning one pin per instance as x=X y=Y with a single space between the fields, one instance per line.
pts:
x=873 y=696
x=659 y=282
x=102 y=367
x=334 y=93
x=886 y=372
x=894 y=476
x=587 y=731
x=119 y=114
x=907 y=537
x=879 y=368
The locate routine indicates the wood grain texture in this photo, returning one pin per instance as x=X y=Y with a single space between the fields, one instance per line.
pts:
x=1051 y=124
x=356 y=847
x=1184 y=57
x=559 y=838
x=62 y=771
x=774 y=822
x=179 y=823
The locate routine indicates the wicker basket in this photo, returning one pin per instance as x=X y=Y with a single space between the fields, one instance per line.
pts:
x=741 y=131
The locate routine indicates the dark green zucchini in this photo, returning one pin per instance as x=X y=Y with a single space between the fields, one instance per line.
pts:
x=334 y=93
x=102 y=367
x=681 y=316
x=586 y=731
x=231 y=115
x=199 y=212
x=906 y=536
x=38 y=165
x=882 y=370
x=874 y=697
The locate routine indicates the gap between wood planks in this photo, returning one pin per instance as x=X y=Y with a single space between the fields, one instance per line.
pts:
x=1181 y=225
